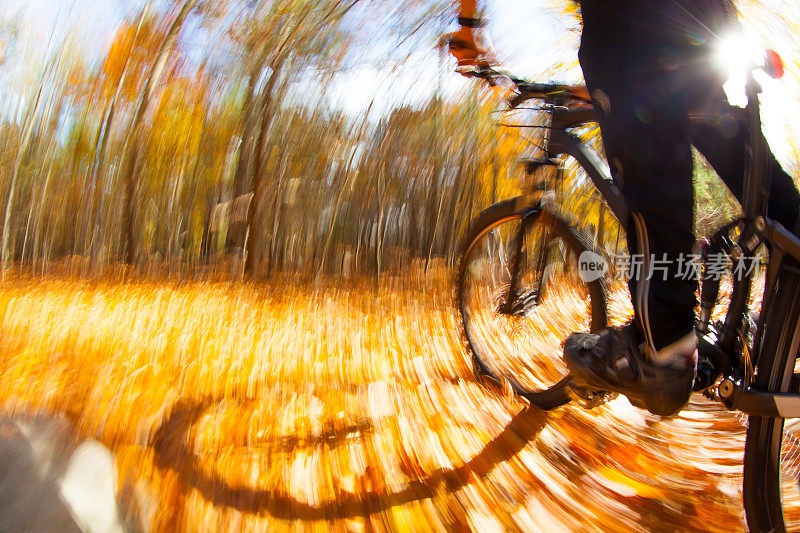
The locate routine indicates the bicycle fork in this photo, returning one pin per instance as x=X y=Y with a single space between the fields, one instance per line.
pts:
x=516 y=301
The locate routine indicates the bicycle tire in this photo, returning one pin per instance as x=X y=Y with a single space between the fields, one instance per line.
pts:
x=763 y=483
x=574 y=241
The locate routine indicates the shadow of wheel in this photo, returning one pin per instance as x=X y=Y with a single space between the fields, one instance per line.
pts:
x=174 y=451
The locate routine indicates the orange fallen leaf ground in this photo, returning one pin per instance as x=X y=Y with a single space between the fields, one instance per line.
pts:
x=284 y=407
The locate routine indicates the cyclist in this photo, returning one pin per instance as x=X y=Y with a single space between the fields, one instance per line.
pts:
x=648 y=67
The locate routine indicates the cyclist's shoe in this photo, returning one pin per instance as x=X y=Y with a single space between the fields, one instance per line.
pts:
x=615 y=361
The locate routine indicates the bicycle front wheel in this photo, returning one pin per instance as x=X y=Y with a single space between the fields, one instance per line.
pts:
x=772 y=449
x=517 y=335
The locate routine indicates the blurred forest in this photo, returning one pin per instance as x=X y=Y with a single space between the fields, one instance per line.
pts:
x=172 y=153
x=206 y=139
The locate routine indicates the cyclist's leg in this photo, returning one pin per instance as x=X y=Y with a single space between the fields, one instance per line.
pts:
x=646 y=139
x=720 y=137
x=646 y=136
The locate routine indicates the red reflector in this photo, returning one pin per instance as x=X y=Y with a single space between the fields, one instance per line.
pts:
x=773 y=64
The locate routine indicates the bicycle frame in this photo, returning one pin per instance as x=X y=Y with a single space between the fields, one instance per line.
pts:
x=561 y=141
x=735 y=391
x=760 y=382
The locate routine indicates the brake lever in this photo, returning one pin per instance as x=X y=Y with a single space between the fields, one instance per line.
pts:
x=493 y=76
x=478 y=72
x=515 y=102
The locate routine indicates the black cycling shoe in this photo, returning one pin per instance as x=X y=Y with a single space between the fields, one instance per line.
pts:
x=613 y=361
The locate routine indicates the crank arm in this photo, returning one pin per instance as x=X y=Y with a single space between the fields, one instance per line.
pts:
x=753 y=402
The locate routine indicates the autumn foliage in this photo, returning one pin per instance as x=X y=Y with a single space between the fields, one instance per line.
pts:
x=287 y=406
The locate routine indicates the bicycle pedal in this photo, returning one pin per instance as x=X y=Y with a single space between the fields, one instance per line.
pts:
x=588 y=398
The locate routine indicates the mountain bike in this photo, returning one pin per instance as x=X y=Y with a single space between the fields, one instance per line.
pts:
x=529 y=272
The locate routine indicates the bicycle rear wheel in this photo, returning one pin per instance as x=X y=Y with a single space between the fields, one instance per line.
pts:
x=519 y=339
x=772 y=449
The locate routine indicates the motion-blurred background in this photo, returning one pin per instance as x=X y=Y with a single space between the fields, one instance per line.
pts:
x=277 y=135
x=227 y=233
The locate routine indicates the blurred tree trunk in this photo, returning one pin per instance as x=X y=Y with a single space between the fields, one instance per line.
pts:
x=240 y=184
x=277 y=205
x=380 y=208
x=279 y=191
x=413 y=230
x=435 y=228
x=22 y=149
x=95 y=208
x=173 y=222
x=433 y=203
x=135 y=144
x=267 y=114
x=195 y=185
x=39 y=215
x=340 y=196
x=34 y=212
x=52 y=111
x=456 y=196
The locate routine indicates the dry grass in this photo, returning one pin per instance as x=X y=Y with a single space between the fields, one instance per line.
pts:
x=285 y=406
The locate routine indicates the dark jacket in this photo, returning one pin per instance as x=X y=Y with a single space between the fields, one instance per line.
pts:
x=684 y=23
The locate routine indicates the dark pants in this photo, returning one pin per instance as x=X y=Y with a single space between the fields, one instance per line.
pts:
x=645 y=87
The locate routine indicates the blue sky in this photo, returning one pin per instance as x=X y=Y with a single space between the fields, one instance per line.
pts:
x=91 y=24
x=44 y=25
x=529 y=37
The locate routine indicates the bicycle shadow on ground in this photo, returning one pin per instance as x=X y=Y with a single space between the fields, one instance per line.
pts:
x=172 y=451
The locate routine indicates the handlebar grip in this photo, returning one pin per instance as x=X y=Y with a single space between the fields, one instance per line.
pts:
x=538 y=88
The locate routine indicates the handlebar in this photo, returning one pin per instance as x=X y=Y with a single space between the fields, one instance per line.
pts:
x=527 y=90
